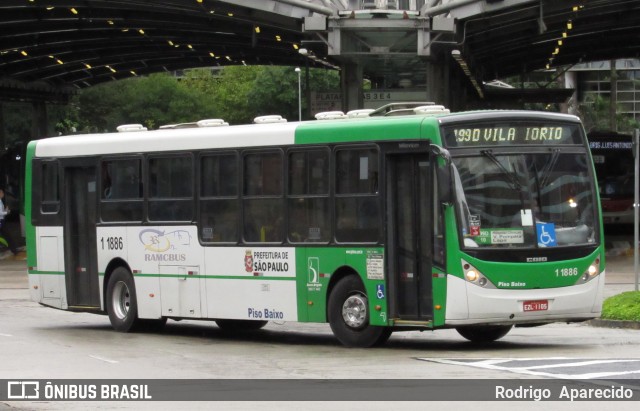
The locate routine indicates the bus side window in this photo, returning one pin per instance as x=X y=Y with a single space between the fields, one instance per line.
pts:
x=357 y=202
x=262 y=202
x=309 y=212
x=50 y=203
x=121 y=190
x=219 y=206
x=171 y=188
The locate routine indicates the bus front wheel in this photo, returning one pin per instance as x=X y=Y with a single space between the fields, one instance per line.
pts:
x=348 y=314
x=122 y=305
x=484 y=333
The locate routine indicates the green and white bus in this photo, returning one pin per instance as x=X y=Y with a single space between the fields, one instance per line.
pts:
x=478 y=221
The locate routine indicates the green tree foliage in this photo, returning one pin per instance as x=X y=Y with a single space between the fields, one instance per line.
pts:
x=595 y=114
x=236 y=94
x=231 y=95
x=152 y=101
x=275 y=90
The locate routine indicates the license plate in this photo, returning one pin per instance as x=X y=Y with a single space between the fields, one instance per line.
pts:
x=537 y=305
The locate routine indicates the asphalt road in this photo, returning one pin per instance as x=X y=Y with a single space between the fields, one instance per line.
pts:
x=43 y=343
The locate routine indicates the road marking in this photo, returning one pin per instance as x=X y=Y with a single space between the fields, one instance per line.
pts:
x=518 y=367
x=104 y=359
x=5 y=335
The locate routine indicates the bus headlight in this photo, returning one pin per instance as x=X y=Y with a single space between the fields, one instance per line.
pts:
x=473 y=276
x=591 y=272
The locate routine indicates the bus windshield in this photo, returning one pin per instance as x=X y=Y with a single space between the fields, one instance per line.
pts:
x=532 y=200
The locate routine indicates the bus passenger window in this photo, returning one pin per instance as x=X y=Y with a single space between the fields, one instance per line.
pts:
x=357 y=202
x=309 y=213
x=50 y=192
x=263 y=208
x=219 y=206
x=121 y=190
x=170 y=188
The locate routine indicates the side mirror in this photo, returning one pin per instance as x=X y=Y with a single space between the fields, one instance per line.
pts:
x=443 y=177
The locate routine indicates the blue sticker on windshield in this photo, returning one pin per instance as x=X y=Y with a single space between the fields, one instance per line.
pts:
x=546 y=234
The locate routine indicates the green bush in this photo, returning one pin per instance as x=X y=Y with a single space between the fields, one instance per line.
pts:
x=625 y=306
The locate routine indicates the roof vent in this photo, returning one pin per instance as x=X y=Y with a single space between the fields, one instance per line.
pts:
x=269 y=119
x=360 y=113
x=131 y=127
x=212 y=122
x=430 y=110
x=330 y=115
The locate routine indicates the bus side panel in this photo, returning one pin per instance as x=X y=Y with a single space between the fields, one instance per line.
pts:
x=319 y=264
x=251 y=283
x=49 y=273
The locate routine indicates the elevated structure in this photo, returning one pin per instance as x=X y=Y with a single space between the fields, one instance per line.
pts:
x=60 y=45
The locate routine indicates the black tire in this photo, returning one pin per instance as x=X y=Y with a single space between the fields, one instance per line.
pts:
x=241 y=325
x=122 y=305
x=348 y=312
x=484 y=333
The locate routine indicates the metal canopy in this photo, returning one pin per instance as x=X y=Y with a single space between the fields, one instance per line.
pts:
x=535 y=34
x=79 y=43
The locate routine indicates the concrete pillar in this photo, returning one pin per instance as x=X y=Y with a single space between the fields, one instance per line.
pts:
x=351 y=81
x=438 y=90
x=39 y=121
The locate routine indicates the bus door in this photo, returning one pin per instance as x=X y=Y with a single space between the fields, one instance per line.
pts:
x=81 y=272
x=409 y=231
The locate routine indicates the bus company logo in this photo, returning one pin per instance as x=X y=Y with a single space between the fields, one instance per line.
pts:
x=164 y=246
x=313 y=274
x=23 y=390
x=248 y=261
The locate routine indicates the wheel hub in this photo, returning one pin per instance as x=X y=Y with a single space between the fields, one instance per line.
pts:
x=121 y=300
x=354 y=311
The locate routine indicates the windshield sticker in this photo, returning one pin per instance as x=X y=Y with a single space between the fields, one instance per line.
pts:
x=474 y=225
x=527 y=218
x=500 y=236
x=546 y=234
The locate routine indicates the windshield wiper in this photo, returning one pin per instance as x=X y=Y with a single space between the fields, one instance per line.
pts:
x=546 y=171
x=512 y=178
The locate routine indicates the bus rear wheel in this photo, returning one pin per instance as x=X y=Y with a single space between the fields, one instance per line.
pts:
x=348 y=313
x=484 y=333
x=122 y=305
x=241 y=325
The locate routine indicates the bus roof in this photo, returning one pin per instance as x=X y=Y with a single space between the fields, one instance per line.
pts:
x=250 y=135
x=271 y=134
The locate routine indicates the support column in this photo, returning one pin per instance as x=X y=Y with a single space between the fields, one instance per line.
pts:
x=39 y=120
x=351 y=79
x=438 y=83
x=3 y=139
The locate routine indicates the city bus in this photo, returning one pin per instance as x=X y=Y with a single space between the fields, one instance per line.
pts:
x=477 y=221
x=614 y=163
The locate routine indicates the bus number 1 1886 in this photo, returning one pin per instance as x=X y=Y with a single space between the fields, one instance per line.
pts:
x=112 y=243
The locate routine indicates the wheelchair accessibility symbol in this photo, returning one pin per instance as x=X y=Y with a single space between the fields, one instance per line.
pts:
x=380 y=291
x=546 y=234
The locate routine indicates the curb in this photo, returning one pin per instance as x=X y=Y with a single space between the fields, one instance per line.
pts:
x=598 y=322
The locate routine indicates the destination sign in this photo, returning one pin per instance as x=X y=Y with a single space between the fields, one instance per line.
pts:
x=478 y=135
